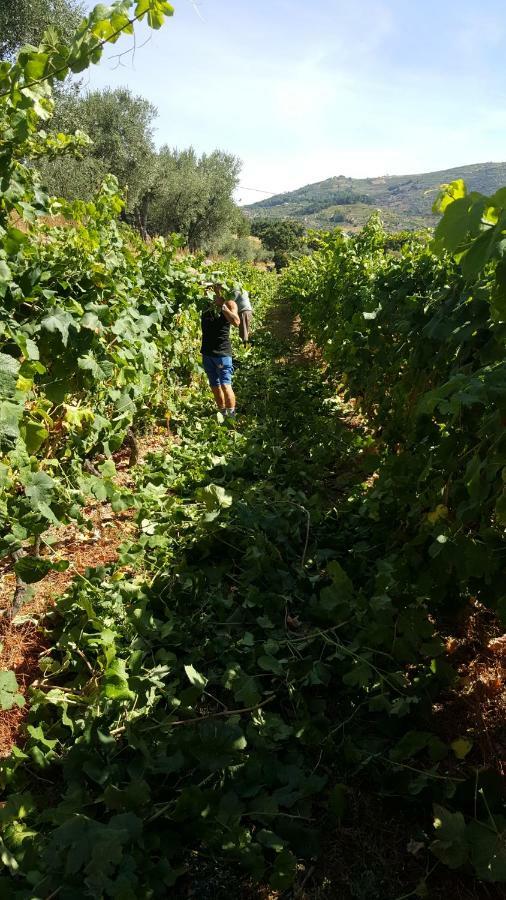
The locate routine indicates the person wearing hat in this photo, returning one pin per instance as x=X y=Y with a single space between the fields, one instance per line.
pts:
x=216 y=349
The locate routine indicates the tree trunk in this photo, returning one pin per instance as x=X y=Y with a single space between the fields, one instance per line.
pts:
x=142 y=215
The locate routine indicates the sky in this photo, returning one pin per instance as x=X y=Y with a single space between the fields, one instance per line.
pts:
x=302 y=91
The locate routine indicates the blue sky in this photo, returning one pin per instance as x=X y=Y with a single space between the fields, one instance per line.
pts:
x=301 y=91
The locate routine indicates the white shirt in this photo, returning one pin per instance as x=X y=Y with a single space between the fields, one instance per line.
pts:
x=243 y=302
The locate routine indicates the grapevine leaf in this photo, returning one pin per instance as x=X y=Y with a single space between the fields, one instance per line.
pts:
x=214 y=497
x=8 y=859
x=40 y=488
x=270 y=840
x=34 y=568
x=194 y=677
x=461 y=747
x=461 y=219
x=9 y=368
x=115 y=682
x=59 y=321
x=457 y=190
x=10 y=418
x=450 y=844
x=18 y=806
x=285 y=870
x=488 y=849
x=5 y=277
x=9 y=693
x=36 y=66
x=34 y=435
x=136 y=795
x=500 y=508
x=219 y=744
x=480 y=252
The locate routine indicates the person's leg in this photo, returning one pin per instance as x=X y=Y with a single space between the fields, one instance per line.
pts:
x=245 y=326
x=228 y=393
x=213 y=373
x=226 y=373
x=219 y=397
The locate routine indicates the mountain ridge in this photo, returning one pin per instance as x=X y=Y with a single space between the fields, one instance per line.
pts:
x=405 y=201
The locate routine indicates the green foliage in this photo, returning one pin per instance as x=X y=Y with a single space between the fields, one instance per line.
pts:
x=171 y=191
x=87 y=313
x=192 y=196
x=262 y=285
x=25 y=21
x=246 y=249
x=255 y=635
x=109 y=319
x=9 y=693
x=333 y=198
x=482 y=843
x=473 y=230
x=368 y=308
x=167 y=192
x=196 y=697
x=26 y=103
x=282 y=237
x=240 y=243
x=121 y=128
x=200 y=708
x=420 y=348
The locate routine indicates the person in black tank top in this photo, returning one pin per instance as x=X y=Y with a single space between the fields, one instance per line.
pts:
x=215 y=334
x=216 y=349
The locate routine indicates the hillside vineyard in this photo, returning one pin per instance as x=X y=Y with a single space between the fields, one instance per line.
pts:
x=405 y=201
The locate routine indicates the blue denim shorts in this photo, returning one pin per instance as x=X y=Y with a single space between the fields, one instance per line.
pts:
x=219 y=369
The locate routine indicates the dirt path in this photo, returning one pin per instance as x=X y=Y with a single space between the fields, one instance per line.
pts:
x=285 y=326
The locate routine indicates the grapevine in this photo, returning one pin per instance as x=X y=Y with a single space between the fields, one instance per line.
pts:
x=271 y=641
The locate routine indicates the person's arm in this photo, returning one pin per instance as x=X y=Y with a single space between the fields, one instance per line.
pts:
x=231 y=313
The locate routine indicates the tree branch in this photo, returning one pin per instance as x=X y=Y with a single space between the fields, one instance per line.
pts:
x=218 y=715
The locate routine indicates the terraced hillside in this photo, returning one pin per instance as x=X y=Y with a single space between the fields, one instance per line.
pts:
x=405 y=201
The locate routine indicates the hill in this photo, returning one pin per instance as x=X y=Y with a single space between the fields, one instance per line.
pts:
x=405 y=201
